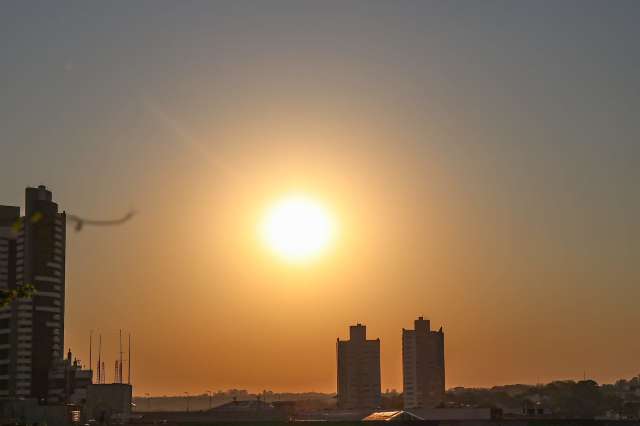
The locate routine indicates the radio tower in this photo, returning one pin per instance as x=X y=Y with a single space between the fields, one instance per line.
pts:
x=120 y=364
x=129 y=362
x=90 y=352
x=100 y=363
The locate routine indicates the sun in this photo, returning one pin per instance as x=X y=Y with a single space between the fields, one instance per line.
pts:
x=297 y=228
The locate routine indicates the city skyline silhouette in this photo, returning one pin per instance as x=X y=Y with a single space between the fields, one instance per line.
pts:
x=248 y=181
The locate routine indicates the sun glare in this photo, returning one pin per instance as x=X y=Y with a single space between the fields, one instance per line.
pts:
x=297 y=228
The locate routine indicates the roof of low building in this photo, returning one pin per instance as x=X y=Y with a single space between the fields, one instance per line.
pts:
x=391 y=416
x=244 y=405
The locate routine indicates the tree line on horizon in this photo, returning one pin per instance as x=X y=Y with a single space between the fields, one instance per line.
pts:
x=562 y=398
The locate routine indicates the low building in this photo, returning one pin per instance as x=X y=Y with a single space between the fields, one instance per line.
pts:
x=108 y=402
x=249 y=405
x=69 y=381
x=250 y=410
x=29 y=411
x=457 y=414
x=392 y=416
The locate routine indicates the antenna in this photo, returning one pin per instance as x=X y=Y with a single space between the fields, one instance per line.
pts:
x=100 y=363
x=115 y=373
x=104 y=373
x=90 y=361
x=120 y=364
x=129 y=362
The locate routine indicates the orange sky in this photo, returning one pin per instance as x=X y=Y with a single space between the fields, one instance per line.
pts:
x=210 y=307
x=480 y=158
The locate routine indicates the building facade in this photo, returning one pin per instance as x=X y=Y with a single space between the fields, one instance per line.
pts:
x=32 y=251
x=358 y=370
x=109 y=403
x=423 y=365
x=9 y=218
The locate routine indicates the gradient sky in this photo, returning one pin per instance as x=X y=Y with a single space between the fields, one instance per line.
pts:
x=481 y=157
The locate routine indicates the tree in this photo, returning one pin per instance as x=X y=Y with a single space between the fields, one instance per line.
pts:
x=8 y=296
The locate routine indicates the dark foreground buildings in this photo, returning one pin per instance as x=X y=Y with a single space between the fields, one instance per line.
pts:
x=32 y=251
x=358 y=370
x=423 y=365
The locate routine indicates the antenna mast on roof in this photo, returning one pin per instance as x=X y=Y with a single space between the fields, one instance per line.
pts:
x=120 y=364
x=90 y=360
x=100 y=363
x=129 y=362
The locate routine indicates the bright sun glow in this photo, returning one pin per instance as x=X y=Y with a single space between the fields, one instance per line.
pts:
x=298 y=228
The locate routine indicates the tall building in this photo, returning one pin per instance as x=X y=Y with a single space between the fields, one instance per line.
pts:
x=422 y=365
x=32 y=251
x=9 y=218
x=358 y=370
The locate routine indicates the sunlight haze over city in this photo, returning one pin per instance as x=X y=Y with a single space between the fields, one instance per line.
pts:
x=299 y=167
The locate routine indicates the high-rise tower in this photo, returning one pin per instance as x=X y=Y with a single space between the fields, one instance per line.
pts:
x=9 y=219
x=358 y=370
x=422 y=365
x=32 y=251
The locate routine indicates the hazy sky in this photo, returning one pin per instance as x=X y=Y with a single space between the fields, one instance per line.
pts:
x=481 y=158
